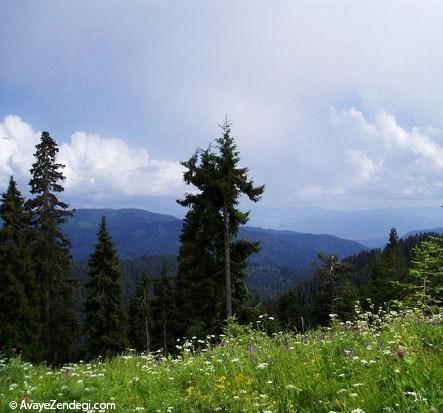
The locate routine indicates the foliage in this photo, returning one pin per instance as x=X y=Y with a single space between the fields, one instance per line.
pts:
x=376 y=363
x=140 y=316
x=164 y=311
x=19 y=294
x=51 y=253
x=426 y=272
x=212 y=261
x=105 y=325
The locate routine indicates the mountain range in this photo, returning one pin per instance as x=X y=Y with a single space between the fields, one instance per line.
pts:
x=368 y=226
x=285 y=256
x=139 y=233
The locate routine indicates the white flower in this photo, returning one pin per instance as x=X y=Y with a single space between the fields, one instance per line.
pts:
x=262 y=365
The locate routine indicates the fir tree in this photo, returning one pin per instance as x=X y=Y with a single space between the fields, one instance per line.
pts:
x=233 y=182
x=139 y=323
x=19 y=295
x=51 y=253
x=331 y=288
x=425 y=286
x=394 y=270
x=288 y=310
x=163 y=309
x=212 y=261
x=105 y=315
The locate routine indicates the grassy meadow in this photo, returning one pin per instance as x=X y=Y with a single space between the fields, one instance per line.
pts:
x=378 y=363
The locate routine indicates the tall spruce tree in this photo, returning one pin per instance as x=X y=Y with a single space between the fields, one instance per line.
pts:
x=105 y=324
x=140 y=316
x=212 y=261
x=19 y=295
x=200 y=277
x=51 y=253
x=394 y=270
x=233 y=182
x=332 y=288
x=163 y=310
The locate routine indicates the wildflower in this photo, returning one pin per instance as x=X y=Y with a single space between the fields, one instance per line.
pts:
x=262 y=365
x=250 y=348
x=357 y=411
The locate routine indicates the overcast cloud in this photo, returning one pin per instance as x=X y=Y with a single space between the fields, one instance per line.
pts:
x=334 y=103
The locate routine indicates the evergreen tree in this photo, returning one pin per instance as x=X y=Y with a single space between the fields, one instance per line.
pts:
x=198 y=282
x=233 y=182
x=212 y=261
x=394 y=270
x=163 y=309
x=288 y=310
x=426 y=284
x=19 y=295
x=51 y=253
x=139 y=322
x=105 y=325
x=332 y=290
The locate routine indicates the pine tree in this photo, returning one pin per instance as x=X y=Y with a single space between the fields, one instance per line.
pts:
x=139 y=322
x=212 y=261
x=19 y=295
x=105 y=325
x=51 y=253
x=332 y=288
x=200 y=273
x=425 y=286
x=163 y=309
x=289 y=311
x=233 y=182
x=394 y=270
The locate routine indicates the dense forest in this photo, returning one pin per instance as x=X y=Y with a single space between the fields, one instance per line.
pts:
x=58 y=312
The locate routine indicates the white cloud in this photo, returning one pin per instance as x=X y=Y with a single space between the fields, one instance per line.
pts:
x=364 y=167
x=95 y=166
x=385 y=160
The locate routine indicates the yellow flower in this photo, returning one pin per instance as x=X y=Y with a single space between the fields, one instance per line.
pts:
x=190 y=391
x=220 y=383
x=240 y=379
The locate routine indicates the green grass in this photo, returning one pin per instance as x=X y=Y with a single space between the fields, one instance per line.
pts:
x=391 y=364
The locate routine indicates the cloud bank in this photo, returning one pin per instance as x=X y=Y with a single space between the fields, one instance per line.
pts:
x=381 y=158
x=95 y=167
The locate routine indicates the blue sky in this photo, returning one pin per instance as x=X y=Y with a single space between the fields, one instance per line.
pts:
x=334 y=103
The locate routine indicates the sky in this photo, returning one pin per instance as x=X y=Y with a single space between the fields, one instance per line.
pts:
x=334 y=104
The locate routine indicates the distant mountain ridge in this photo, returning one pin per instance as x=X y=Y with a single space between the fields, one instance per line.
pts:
x=139 y=233
x=423 y=231
x=368 y=226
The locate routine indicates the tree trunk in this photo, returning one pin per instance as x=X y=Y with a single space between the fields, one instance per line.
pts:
x=227 y=245
x=147 y=333
x=164 y=333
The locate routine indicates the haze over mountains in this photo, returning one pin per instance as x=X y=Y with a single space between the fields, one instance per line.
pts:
x=367 y=226
x=139 y=233
x=141 y=237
